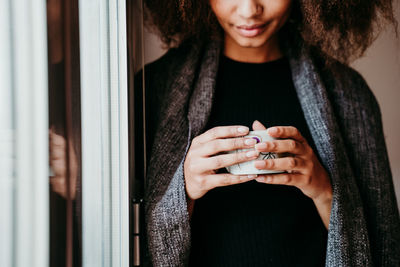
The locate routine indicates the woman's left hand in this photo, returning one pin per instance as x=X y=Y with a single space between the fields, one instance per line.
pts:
x=304 y=169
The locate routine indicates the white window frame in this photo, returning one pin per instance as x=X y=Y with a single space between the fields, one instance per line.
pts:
x=104 y=105
x=24 y=171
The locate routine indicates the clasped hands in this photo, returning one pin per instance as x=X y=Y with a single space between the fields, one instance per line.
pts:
x=304 y=170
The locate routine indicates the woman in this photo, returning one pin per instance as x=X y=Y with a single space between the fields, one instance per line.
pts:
x=254 y=64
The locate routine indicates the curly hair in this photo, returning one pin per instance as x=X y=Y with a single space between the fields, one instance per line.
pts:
x=336 y=29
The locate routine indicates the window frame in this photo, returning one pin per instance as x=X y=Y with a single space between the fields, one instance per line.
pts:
x=105 y=165
x=24 y=169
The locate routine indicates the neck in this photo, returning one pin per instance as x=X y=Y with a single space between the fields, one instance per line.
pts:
x=268 y=52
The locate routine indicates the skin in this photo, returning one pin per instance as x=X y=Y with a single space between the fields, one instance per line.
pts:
x=232 y=14
x=204 y=155
x=58 y=163
x=306 y=172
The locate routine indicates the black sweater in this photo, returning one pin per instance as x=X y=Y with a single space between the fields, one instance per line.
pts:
x=256 y=224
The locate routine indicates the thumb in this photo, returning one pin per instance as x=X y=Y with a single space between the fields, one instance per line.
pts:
x=258 y=125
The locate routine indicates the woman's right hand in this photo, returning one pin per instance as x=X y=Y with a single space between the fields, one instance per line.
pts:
x=202 y=159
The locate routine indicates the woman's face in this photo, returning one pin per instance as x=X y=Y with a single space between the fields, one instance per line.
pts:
x=251 y=23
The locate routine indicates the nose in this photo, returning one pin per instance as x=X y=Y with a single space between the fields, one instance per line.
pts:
x=249 y=8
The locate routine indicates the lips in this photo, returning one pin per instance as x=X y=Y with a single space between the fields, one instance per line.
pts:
x=251 y=30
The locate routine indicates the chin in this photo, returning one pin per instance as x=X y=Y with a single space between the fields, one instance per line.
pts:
x=251 y=42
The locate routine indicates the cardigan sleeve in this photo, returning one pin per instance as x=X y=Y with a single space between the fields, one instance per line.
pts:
x=362 y=131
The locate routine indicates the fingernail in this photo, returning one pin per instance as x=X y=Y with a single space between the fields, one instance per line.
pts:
x=273 y=130
x=250 y=176
x=260 y=179
x=261 y=146
x=242 y=129
x=251 y=154
x=250 y=141
x=259 y=164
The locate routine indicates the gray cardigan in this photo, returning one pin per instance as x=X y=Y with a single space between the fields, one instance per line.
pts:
x=345 y=123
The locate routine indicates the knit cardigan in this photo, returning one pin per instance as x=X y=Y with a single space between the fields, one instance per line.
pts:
x=344 y=119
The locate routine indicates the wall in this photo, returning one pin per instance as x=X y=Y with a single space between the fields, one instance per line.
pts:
x=381 y=69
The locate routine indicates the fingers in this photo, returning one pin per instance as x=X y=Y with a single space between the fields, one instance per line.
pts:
x=203 y=157
x=221 y=161
x=219 y=145
x=286 y=132
x=56 y=140
x=198 y=185
x=57 y=153
x=280 y=146
x=220 y=132
x=258 y=126
x=206 y=165
x=286 y=163
x=59 y=167
x=224 y=179
x=282 y=178
x=58 y=185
